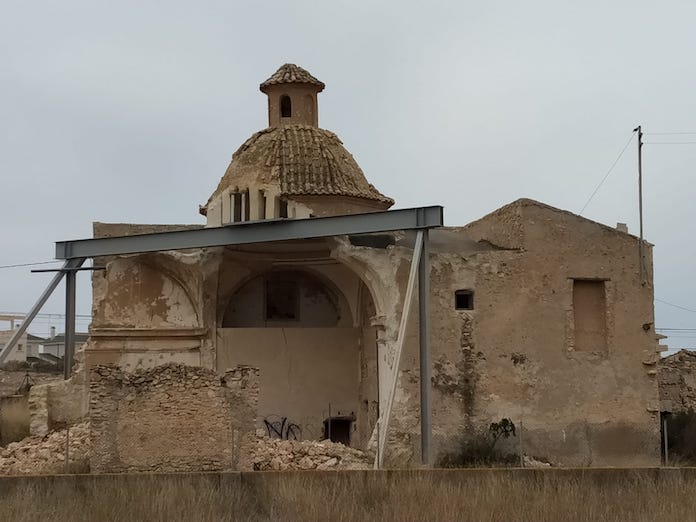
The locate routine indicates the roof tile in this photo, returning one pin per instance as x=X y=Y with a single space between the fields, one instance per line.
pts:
x=291 y=73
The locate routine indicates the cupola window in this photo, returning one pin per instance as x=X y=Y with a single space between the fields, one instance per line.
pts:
x=285 y=106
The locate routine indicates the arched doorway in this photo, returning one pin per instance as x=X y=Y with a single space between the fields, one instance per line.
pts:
x=309 y=333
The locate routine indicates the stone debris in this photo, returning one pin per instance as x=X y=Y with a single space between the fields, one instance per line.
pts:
x=46 y=454
x=531 y=462
x=280 y=455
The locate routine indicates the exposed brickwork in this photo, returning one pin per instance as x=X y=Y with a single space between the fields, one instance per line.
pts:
x=172 y=418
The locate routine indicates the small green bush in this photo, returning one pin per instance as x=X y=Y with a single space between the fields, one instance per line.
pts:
x=480 y=448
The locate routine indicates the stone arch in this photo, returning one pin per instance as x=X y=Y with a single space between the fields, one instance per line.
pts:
x=292 y=297
x=143 y=292
x=370 y=274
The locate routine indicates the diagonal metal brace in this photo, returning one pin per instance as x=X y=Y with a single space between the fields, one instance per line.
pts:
x=70 y=265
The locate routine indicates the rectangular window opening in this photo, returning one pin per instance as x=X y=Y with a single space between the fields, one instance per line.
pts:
x=237 y=207
x=282 y=300
x=283 y=209
x=464 y=300
x=245 y=199
x=262 y=205
x=589 y=315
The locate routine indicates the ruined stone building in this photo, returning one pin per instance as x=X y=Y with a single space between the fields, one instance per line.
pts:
x=537 y=315
x=677 y=382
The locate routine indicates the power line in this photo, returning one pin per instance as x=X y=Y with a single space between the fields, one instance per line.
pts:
x=30 y=264
x=607 y=174
x=669 y=133
x=669 y=143
x=46 y=315
x=675 y=305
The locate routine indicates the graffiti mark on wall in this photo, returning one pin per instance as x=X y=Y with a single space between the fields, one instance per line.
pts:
x=281 y=428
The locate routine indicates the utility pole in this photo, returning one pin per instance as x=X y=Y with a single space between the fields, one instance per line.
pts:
x=640 y=199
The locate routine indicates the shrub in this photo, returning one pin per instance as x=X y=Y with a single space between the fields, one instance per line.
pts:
x=480 y=448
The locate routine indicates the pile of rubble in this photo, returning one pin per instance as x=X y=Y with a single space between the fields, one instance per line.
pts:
x=280 y=455
x=46 y=454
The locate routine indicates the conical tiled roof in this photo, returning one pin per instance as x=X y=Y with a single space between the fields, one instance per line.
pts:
x=291 y=73
x=304 y=161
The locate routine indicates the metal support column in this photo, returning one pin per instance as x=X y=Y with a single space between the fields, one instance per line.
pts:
x=70 y=279
x=385 y=413
x=424 y=338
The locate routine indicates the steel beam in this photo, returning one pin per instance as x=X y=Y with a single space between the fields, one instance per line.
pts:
x=255 y=232
x=424 y=341
x=69 y=265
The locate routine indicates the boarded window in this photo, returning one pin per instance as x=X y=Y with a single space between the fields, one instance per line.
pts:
x=590 y=315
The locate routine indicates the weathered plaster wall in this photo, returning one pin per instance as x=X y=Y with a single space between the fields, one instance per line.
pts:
x=150 y=309
x=514 y=354
x=303 y=371
x=172 y=418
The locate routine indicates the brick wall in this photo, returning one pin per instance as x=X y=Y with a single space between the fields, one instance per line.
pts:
x=172 y=418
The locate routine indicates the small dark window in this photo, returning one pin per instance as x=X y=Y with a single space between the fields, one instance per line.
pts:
x=285 y=106
x=283 y=209
x=246 y=205
x=337 y=429
x=237 y=204
x=464 y=300
x=282 y=300
x=262 y=205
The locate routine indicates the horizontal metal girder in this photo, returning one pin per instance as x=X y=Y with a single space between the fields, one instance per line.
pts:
x=255 y=232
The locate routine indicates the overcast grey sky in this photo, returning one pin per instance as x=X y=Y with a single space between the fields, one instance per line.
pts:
x=130 y=111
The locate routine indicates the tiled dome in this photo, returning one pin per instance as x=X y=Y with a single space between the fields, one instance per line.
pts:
x=304 y=161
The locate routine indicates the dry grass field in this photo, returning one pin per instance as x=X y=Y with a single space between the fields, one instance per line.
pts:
x=629 y=496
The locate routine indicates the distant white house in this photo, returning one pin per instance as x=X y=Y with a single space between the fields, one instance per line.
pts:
x=28 y=346
x=55 y=345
